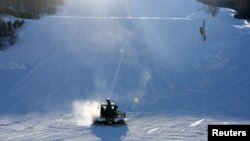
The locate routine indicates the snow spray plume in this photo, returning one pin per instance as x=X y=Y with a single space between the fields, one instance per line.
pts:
x=85 y=111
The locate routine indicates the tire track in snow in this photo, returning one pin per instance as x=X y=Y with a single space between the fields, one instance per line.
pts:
x=141 y=126
x=197 y=123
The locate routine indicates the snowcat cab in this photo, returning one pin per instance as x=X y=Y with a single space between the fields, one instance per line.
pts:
x=109 y=114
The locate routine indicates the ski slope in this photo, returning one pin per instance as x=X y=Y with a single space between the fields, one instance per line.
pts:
x=171 y=83
x=141 y=126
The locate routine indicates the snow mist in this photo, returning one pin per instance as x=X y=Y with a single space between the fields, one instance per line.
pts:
x=85 y=111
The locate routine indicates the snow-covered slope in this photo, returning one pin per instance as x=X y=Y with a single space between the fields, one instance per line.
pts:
x=166 y=68
x=161 y=127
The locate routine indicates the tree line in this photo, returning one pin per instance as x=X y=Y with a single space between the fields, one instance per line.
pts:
x=242 y=7
x=8 y=30
x=22 y=9
x=28 y=9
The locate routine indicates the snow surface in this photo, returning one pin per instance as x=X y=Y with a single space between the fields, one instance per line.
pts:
x=141 y=126
x=171 y=83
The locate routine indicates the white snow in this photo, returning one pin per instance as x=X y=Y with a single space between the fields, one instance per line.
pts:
x=85 y=112
x=8 y=18
x=170 y=82
x=11 y=65
x=140 y=126
x=197 y=123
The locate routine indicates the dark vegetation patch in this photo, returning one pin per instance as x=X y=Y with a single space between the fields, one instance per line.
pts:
x=242 y=7
x=21 y=10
